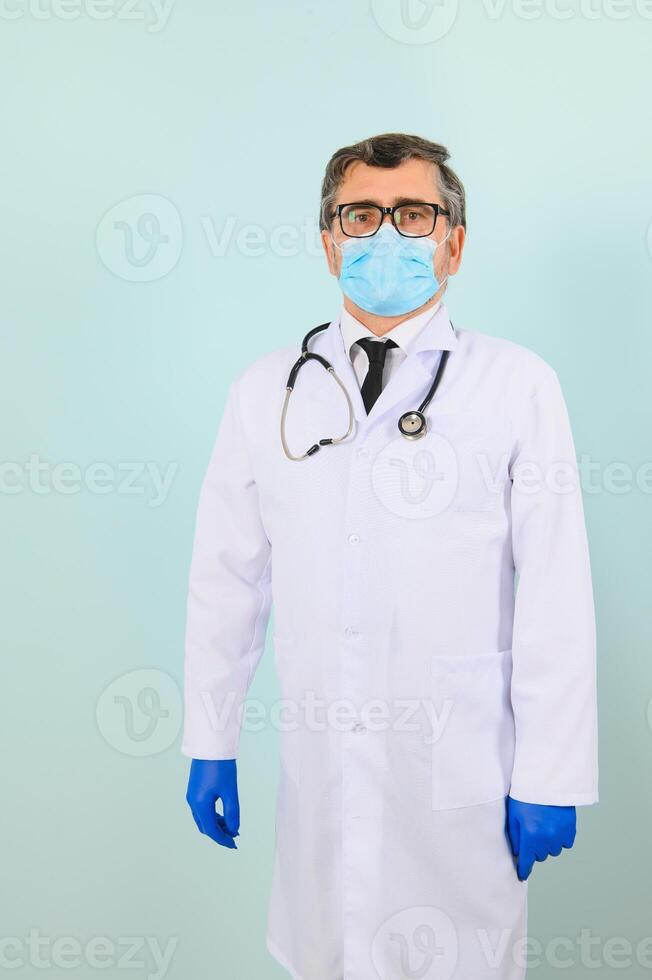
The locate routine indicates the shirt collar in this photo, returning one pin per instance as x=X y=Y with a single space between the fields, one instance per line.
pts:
x=430 y=330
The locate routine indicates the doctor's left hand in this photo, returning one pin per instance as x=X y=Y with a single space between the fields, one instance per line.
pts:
x=535 y=831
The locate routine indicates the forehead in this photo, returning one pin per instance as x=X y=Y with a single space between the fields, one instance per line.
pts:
x=412 y=178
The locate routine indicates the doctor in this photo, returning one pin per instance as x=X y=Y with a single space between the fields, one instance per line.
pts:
x=417 y=520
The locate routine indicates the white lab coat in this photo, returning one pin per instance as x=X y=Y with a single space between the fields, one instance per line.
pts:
x=418 y=690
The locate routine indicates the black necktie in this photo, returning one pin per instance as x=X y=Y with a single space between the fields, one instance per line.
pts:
x=376 y=351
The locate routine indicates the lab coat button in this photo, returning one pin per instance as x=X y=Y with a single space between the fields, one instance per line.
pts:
x=354 y=539
x=363 y=454
x=350 y=631
x=358 y=727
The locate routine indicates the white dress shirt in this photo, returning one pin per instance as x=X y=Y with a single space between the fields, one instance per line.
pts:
x=403 y=335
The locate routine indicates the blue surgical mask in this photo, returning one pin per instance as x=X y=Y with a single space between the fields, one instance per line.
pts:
x=389 y=274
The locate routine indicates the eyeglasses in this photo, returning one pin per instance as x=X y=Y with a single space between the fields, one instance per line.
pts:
x=415 y=219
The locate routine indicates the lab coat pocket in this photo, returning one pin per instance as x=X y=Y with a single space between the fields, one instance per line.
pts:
x=470 y=455
x=472 y=730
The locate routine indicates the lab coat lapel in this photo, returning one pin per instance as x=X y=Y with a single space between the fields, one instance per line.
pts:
x=415 y=375
x=335 y=353
x=411 y=379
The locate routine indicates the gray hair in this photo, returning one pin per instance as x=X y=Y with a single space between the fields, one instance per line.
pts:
x=390 y=150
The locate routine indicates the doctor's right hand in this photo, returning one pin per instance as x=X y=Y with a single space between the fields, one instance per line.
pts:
x=210 y=781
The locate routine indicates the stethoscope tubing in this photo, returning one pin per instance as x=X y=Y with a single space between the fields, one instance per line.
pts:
x=412 y=425
x=436 y=380
x=322 y=442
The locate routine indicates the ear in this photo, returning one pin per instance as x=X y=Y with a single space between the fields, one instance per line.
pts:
x=329 y=251
x=455 y=249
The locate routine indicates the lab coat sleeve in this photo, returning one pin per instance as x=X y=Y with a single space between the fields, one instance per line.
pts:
x=228 y=596
x=553 y=689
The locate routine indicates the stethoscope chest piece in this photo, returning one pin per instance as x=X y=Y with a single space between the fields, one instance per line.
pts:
x=412 y=425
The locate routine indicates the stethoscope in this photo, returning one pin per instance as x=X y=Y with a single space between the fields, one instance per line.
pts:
x=412 y=425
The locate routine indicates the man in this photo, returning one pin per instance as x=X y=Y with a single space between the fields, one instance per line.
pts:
x=440 y=723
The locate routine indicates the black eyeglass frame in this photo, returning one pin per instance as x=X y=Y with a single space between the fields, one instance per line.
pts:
x=390 y=211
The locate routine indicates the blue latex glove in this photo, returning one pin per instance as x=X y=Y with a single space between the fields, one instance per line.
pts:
x=535 y=831
x=209 y=782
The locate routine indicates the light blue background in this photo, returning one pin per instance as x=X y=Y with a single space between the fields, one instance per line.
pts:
x=229 y=112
